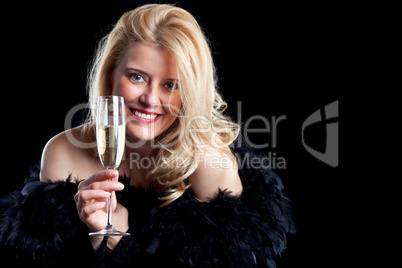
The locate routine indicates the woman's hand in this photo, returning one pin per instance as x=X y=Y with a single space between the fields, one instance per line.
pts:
x=92 y=195
x=91 y=200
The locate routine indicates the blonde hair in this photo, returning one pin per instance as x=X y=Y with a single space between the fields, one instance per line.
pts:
x=201 y=120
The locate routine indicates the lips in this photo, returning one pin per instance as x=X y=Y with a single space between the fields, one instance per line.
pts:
x=143 y=116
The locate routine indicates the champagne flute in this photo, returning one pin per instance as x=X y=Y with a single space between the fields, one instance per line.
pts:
x=110 y=139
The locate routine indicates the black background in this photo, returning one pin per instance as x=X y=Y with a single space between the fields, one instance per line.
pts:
x=288 y=60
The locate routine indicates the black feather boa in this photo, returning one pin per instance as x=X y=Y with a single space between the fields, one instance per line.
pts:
x=39 y=226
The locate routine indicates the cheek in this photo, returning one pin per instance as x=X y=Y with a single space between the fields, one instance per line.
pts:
x=123 y=87
x=173 y=104
x=119 y=87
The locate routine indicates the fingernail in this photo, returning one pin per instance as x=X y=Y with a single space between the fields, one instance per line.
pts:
x=120 y=186
x=107 y=194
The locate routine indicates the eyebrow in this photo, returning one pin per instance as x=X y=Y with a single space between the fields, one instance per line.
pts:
x=136 y=70
x=142 y=72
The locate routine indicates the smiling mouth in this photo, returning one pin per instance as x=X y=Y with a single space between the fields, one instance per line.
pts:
x=144 y=116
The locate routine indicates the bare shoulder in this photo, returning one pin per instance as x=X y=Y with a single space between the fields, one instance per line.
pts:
x=63 y=156
x=215 y=171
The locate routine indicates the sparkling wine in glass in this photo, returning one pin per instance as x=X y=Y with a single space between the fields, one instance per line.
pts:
x=110 y=139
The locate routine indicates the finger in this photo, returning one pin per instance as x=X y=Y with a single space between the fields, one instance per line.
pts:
x=88 y=210
x=105 y=186
x=108 y=174
x=89 y=195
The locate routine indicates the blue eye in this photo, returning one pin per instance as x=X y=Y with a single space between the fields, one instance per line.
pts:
x=171 y=86
x=137 y=77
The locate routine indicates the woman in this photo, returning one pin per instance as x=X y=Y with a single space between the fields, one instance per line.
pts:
x=189 y=205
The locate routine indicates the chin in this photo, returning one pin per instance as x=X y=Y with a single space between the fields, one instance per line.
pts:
x=138 y=135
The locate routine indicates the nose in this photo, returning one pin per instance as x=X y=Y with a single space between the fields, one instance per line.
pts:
x=150 y=96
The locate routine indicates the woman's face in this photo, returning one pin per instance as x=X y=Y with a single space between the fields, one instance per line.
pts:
x=147 y=79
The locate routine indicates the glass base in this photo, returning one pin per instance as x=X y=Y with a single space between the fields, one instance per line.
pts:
x=109 y=231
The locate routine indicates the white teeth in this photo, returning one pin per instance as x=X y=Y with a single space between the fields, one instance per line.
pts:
x=145 y=116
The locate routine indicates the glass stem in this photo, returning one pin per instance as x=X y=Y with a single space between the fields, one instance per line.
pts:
x=109 y=211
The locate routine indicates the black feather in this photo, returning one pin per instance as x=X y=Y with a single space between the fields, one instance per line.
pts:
x=39 y=225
